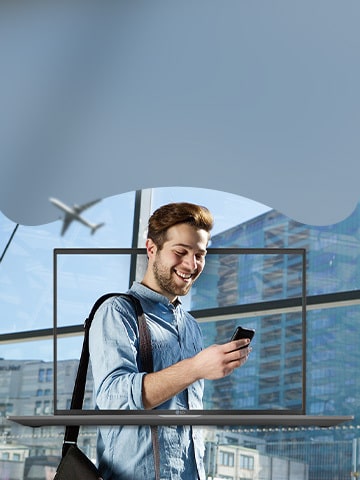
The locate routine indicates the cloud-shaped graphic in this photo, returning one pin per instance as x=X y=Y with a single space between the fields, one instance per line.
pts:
x=258 y=99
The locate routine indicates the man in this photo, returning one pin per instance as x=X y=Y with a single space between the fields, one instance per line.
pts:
x=178 y=235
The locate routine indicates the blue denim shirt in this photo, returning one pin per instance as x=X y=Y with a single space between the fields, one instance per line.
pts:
x=126 y=451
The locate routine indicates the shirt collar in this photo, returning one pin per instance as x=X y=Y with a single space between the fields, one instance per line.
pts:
x=146 y=292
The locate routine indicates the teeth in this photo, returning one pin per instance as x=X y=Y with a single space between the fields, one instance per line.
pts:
x=183 y=275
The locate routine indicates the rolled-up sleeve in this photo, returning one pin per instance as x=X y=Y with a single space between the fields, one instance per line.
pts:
x=113 y=344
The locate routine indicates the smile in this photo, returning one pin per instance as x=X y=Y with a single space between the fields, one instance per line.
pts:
x=184 y=276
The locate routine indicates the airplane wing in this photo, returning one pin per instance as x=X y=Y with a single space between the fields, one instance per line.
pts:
x=84 y=206
x=66 y=222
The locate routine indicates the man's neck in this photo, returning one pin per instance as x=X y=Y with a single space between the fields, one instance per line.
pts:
x=172 y=299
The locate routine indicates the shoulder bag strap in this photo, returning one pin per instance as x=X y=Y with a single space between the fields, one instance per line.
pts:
x=146 y=360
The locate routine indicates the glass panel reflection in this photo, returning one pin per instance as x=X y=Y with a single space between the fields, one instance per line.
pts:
x=272 y=378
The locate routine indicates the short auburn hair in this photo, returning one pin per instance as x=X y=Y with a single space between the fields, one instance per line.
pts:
x=174 y=213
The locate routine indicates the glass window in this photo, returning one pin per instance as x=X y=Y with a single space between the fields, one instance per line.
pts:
x=333 y=386
x=246 y=462
x=7 y=232
x=82 y=278
x=47 y=407
x=49 y=375
x=27 y=266
x=38 y=405
x=41 y=376
x=226 y=458
x=333 y=359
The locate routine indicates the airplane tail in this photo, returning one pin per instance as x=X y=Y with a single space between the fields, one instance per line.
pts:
x=95 y=227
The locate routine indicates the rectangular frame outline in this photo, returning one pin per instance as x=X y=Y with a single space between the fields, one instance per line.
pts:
x=294 y=302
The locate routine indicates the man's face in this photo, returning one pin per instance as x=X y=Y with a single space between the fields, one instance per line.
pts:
x=180 y=261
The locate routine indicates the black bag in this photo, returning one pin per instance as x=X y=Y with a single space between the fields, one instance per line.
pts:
x=75 y=465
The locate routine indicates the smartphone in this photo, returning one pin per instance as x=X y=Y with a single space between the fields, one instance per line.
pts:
x=241 y=332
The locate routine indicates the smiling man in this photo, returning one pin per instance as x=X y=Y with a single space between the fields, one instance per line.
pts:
x=178 y=235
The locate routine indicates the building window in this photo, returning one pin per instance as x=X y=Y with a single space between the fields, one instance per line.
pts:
x=47 y=406
x=226 y=458
x=37 y=408
x=247 y=462
x=49 y=374
x=41 y=376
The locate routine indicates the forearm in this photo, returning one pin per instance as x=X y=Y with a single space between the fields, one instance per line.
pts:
x=158 y=387
x=214 y=362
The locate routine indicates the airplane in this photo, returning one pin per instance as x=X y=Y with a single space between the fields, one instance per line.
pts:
x=73 y=213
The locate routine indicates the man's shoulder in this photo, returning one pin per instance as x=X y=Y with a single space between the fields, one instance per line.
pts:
x=122 y=302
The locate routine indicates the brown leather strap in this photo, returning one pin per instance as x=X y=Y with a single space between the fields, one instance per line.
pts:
x=148 y=366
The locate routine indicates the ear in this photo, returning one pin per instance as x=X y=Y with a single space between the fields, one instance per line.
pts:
x=151 y=248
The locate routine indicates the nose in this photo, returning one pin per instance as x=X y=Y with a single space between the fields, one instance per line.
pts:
x=191 y=262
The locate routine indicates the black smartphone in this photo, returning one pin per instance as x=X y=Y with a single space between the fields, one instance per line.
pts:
x=241 y=332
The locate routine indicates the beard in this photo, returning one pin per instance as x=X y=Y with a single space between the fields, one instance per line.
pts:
x=166 y=279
